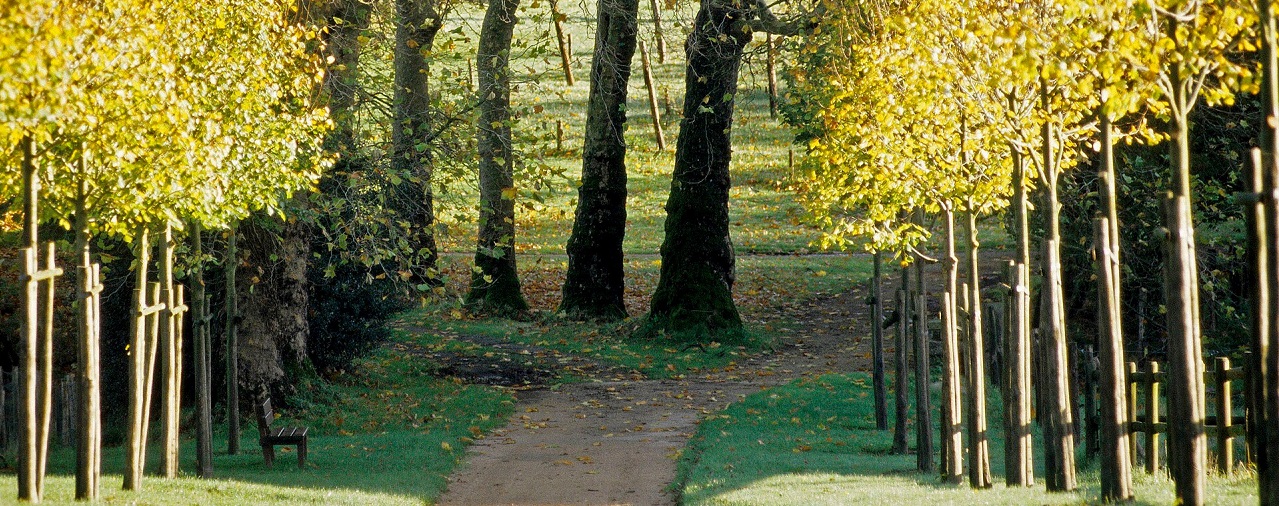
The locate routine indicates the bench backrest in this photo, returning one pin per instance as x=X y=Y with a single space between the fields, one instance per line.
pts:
x=265 y=416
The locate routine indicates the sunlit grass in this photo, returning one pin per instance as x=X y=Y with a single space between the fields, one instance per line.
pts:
x=814 y=442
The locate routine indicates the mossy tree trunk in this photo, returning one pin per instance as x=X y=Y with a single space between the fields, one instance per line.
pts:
x=417 y=24
x=495 y=284
x=593 y=285
x=273 y=326
x=694 y=297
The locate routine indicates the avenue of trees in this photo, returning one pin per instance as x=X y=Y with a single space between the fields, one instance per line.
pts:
x=264 y=142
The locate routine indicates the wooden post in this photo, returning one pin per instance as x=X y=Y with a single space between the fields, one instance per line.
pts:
x=200 y=319
x=772 y=74
x=1225 y=441
x=952 y=450
x=1152 y=418
x=232 y=263
x=1132 y=412
x=566 y=51
x=1116 y=473
x=46 y=277
x=559 y=136
x=470 y=76
x=157 y=307
x=877 y=347
x=652 y=98
x=28 y=454
x=657 y=31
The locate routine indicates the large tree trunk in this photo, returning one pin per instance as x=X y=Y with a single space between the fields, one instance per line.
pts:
x=344 y=21
x=273 y=324
x=495 y=284
x=418 y=23
x=593 y=285
x=694 y=297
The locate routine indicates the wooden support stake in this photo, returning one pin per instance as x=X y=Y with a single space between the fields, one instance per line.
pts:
x=565 y=42
x=1132 y=412
x=1225 y=441
x=1152 y=418
x=978 y=442
x=652 y=98
x=169 y=358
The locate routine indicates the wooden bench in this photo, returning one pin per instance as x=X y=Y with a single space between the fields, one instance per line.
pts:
x=270 y=438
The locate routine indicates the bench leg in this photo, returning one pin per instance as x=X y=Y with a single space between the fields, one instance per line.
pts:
x=268 y=454
x=302 y=455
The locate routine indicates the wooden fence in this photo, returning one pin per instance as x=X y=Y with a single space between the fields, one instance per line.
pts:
x=63 y=424
x=1146 y=415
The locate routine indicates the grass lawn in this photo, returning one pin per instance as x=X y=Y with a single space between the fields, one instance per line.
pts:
x=389 y=434
x=814 y=442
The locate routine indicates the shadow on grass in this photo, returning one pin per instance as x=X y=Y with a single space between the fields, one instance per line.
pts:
x=814 y=442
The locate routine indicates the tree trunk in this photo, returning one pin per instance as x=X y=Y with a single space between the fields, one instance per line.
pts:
x=231 y=265
x=136 y=457
x=1263 y=229
x=564 y=42
x=1187 y=442
x=951 y=435
x=694 y=296
x=415 y=30
x=88 y=288
x=593 y=285
x=170 y=346
x=341 y=79
x=28 y=452
x=901 y=382
x=495 y=284
x=923 y=402
x=978 y=444
x=658 y=35
x=877 y=346
x=273 y=312
x=1019 y=466
x=201 y=354
x=1116 y=466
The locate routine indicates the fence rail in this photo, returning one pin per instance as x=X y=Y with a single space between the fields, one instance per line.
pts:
x=1222 y=426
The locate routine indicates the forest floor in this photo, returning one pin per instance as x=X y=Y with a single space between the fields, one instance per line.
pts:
x=615 y=440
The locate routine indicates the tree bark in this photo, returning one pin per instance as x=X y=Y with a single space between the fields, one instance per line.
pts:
x=694 y=299
x=1019 y=467
x=593 y=285
x=231 y=265
x=495 y=284
x=923 y=402
x=88 y=288
x=564 y=42
x=136 y=456
x=273 y=313
x=901 y=381
x=1116 y=464
x=658 y=35
x=417 y=24
x=951 y=435
x=341 y=79
x=978 y=443
x=877 y=346
x=170 y=346
x=28 y=452
x=201 y=354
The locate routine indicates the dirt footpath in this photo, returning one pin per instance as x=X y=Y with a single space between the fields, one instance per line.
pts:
x=616 y=442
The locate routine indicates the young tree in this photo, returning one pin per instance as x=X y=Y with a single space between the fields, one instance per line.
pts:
x=593 y=284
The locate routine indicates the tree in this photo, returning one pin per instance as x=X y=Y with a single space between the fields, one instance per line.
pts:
x=694 y=299
x=593 y=284
x=495 y=283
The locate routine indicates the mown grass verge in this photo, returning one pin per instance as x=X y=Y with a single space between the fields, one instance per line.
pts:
x=390 y=433
x=814 y=442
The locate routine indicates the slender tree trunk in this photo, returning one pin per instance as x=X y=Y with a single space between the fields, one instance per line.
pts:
x=593 y=284
x=417 y=25
x=169 y=348
x=202 y=353
x=978 y=443
x=231 y=265
x=1019 y=466
x=1187 y=442
x=694 y=297
x=658 y=36
x=1059 y=430
x=951 y=435
x=28 y=453
x=1116 y=470
x=135 y=459
x=771 y=44
x=565 y=42
x=923 y=402
x=1263 y=230
x=88 y=288
x=658 y=135
x=877 y=349
x=901 y=382
x=495 y=284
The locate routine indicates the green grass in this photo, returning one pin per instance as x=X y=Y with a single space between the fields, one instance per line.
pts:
x=389 y=434
x=814 y=442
